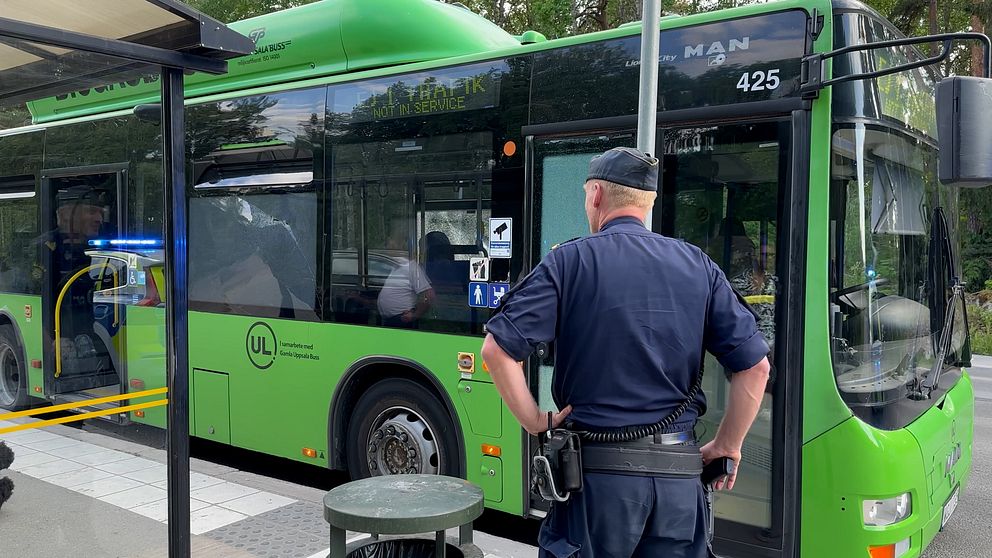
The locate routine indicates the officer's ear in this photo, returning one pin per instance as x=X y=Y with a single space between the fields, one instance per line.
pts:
x=596 y=192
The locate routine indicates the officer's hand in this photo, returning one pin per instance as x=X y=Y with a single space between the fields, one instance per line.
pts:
x=540 y=423
x=559 y=417
x=712 y=451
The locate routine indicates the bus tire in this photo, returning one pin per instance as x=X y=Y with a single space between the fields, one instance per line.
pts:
x=398 y=426
x=13 y=372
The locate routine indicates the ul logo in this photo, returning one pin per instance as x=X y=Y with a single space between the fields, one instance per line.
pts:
x=260 y=344
x=256 y=35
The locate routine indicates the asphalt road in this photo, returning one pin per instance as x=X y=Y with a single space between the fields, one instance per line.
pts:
x=969 y=532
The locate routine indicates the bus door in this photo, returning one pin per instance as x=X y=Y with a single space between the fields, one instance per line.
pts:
x=83 y=213
x=557 y=168
x=721 y=189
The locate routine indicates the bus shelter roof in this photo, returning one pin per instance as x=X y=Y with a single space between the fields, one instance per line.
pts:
x=52 y=47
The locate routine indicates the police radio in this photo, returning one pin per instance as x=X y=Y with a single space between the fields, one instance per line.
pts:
x=557 y=468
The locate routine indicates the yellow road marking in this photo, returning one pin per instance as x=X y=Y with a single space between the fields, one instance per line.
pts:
x=94 y=414
x=86 y=403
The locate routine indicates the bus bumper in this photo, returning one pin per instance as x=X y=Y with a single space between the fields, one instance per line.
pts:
x=854 y=462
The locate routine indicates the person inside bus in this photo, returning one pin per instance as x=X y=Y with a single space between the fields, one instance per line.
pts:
x=80 y=216
x=407 y=293
x=748 y=277
x=440 y=265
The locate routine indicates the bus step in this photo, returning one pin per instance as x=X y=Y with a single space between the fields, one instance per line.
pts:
x=80 y=399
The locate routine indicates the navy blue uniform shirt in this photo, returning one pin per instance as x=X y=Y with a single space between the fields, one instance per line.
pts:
x=630 y=312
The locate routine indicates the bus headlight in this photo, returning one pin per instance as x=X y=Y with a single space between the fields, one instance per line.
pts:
x=888 y=511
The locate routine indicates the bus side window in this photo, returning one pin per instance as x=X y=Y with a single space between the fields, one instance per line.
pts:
x=253 y=211
x=407 y=215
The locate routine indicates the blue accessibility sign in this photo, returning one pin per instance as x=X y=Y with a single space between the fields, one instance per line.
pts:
x=478 y=295
x=496 y=292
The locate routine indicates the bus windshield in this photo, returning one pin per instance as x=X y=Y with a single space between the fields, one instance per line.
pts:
x=884 y=198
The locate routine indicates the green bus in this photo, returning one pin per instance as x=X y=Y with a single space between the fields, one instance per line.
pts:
x=366 y=184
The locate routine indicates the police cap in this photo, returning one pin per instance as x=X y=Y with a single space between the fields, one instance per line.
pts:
x=84 y=194
x=626 y=166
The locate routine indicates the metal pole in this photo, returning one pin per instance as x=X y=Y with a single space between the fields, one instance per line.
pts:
x=647 y=102
x=176 y=306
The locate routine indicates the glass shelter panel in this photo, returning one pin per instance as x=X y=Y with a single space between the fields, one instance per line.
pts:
x=81 y=270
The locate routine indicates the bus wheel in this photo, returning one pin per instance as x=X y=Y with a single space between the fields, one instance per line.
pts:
x=13 y=376
x=398 y=427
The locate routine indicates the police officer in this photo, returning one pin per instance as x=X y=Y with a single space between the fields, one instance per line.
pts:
x=630 y=313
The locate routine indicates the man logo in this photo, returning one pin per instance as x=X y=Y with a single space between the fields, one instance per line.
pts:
x=256 y=35
x=261 y=345
x=716 y=48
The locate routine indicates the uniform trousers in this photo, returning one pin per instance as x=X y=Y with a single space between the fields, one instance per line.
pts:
x=626 y=516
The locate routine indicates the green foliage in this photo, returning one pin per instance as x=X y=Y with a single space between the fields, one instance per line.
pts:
x=14 y=116
x=980 y=323
x=975 y=231
x=235 y=10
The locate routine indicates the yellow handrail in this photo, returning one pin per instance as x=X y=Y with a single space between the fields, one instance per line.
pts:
x=58 y=312
x=117 y=319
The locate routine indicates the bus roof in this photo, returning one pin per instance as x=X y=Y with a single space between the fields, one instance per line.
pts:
x=339 y=40
x=320 y=39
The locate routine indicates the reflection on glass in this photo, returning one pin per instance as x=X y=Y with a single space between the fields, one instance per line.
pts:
x=884 y=190
x=18 y=227
x=406 y=217
x=699 y=66
x=268 y=179
x=254 y=254
x=887 y=302
x=253 y=214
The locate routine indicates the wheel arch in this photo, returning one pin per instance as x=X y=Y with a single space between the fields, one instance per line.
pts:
x=361 y=375
x=6 y=318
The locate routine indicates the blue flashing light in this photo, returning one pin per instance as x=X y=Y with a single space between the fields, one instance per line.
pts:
x=128 y=242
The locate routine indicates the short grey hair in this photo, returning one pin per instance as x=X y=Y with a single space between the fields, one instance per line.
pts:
x=618 y=195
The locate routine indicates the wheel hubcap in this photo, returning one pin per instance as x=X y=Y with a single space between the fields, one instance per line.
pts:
x=10 y=375
x=402 y=442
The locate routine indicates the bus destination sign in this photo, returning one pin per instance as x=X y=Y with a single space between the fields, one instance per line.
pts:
x=421 y=94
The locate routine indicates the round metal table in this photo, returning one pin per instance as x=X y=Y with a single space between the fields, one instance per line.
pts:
x=403 y=505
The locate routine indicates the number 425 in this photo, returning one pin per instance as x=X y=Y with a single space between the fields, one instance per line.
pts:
x=759 y=81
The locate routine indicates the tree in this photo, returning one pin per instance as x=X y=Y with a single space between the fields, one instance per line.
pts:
x=235 y=10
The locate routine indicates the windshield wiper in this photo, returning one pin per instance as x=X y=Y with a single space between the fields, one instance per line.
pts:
x=924 y=387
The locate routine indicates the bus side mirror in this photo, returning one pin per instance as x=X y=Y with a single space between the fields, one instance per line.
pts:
x=964 y=131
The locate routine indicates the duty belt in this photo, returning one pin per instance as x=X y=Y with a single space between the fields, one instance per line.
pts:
x=668 y=455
